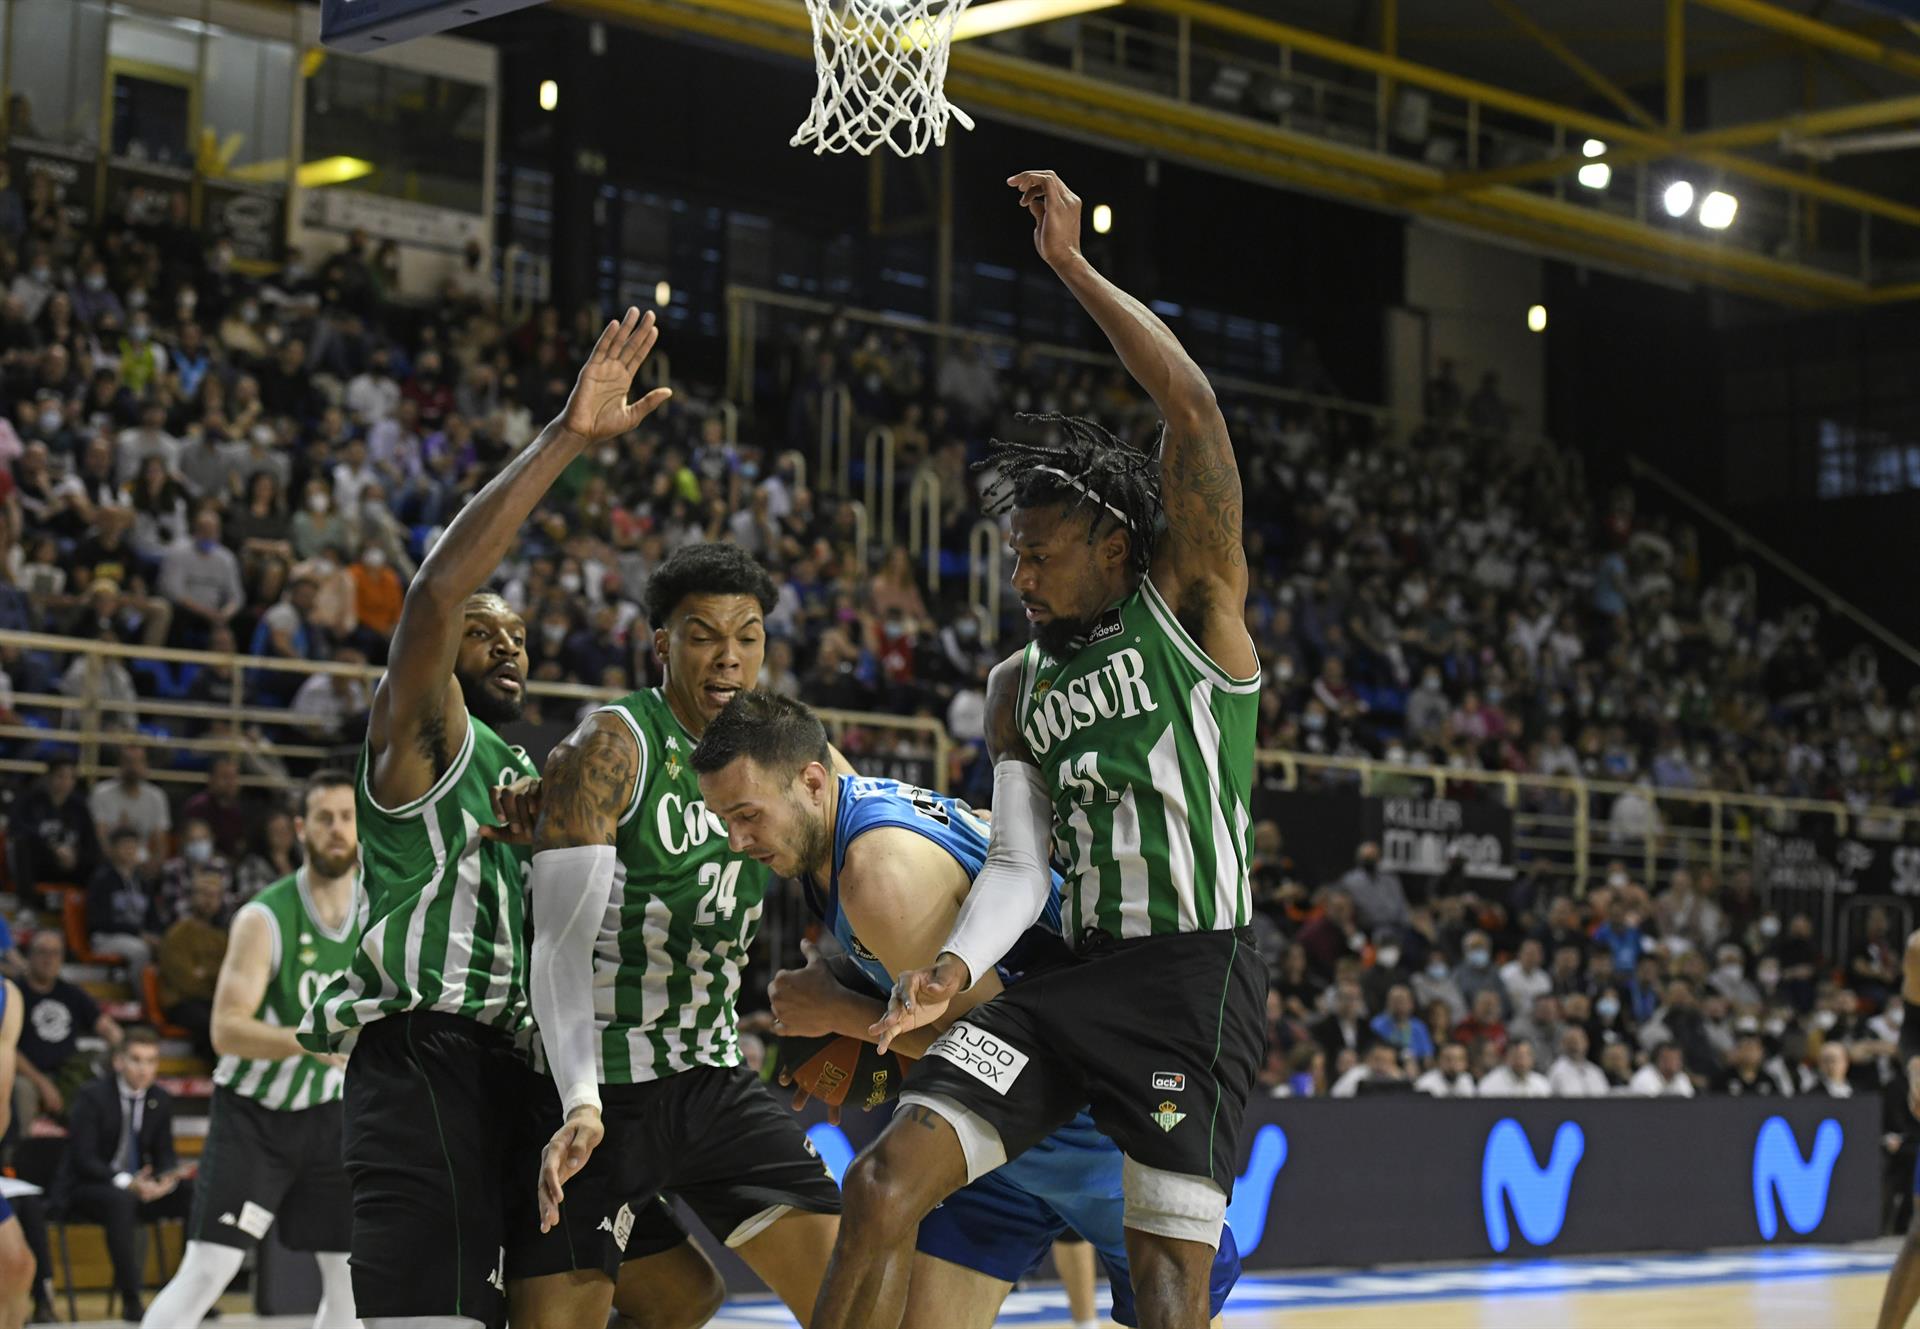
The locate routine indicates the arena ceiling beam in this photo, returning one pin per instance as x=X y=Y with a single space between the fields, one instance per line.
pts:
x=1031 y=92
x=1814 y=32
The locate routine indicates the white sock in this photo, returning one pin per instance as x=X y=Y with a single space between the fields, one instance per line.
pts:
x=1086 y=1324
x=205 y=1270
x=336 y=1292
x=421 y=1322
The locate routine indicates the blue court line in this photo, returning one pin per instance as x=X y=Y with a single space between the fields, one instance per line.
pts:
x=1463 y=1282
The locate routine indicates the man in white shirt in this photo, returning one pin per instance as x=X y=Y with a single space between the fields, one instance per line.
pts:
x=133 y=800
x=372 y=395
x=1380 y=1066
x=1515 y=1077
x=1526 y=976
x=1663 y=1077
x=1572 y=1075
x=1449 y=1078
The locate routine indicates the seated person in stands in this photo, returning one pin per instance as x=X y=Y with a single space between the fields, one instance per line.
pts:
x=55 y=1013
x=189 y=960
x=53 y=835
x=121 y=918
x=120 y=1169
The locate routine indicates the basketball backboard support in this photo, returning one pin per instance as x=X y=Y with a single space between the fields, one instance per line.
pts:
x=368 y=25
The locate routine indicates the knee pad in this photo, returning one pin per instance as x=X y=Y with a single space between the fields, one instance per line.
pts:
x=979 y=1141
x=1173 y=1204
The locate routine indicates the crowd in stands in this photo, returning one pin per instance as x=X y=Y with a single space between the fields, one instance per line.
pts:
x=193 y=457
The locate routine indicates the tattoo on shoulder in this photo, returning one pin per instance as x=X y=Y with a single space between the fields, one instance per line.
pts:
x=585 y=788
x=924 y=1117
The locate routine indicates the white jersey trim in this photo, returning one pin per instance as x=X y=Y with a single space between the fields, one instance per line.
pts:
x=454 y=771
x=1188 y=647
x=640 y=775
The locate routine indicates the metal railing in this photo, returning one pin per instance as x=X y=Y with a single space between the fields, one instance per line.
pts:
x=1563 y=828
x=265 y=738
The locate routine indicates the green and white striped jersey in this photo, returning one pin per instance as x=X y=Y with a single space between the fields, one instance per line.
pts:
x=446 y=910
x=1147 y=746
x=306 y=957
x=685 y=909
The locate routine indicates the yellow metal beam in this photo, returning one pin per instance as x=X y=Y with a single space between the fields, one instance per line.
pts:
x=1813 y=32
x=1567 y=56
x=1676 y=66
x=1039 y=94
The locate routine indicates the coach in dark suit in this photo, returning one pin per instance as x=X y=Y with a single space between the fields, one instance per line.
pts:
x=120 y=1169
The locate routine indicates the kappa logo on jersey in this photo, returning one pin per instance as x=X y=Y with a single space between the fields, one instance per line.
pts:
x=683 y=825
x=1119 y=688
x=981 y=1055
x=1167 y=1116
x=497 y=1276
x=1171 y=1081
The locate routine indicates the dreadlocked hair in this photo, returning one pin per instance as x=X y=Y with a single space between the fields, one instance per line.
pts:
x=1087 y=467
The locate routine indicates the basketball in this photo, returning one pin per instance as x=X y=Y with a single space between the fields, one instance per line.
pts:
x=841 y=1071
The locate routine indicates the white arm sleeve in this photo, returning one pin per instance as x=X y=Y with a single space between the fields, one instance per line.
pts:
x=1011 y=891
x=571 y=888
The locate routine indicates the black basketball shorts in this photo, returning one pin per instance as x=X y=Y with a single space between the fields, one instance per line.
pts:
x=261 y=1168
x=1161 y=1037
x=435 y=1128
x=713 y=1136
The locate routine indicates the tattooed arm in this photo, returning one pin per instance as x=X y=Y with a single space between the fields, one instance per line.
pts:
x=589 y=781
x=1201 y=564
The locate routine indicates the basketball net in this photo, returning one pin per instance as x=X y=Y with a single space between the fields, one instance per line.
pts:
x=882 y=68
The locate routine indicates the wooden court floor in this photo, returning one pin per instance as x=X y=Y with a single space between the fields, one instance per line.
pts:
x=1797 y=1288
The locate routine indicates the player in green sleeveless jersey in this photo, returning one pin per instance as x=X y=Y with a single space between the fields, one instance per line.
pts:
x=652 y=917
x=273 y=1137
x=436 y=995
x=1122 y=739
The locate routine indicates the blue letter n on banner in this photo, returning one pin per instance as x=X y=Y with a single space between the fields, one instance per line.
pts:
x=1800 y=1183
x=1509 y=1175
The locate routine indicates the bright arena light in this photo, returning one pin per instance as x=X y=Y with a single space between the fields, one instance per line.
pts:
x=1717 y=210
x=549 y=94
x=1678 y=198
x=1102 y=219
x=1593 y=147
x=1536 y=318
x=662 y=295
x=1596 y=175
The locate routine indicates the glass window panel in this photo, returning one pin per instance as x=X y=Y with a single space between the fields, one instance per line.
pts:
x=248 y=101
x=58 y=55
x=424 y=136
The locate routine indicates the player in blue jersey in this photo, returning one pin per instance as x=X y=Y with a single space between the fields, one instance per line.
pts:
x=888 y=867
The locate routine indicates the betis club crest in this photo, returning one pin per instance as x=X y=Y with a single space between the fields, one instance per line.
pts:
x=1167 y=1117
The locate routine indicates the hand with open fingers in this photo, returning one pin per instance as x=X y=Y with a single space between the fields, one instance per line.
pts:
x=598 y=408
x=566 y=1153
x=921 y=996
x=1056 y=214
x=805 y=1000
x=516 y=810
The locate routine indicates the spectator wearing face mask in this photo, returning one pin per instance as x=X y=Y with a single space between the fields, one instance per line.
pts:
x=377 y=593
x=318 y=526
x=1476 y=973
x=1621 y=934
x=1435 y=983
x=1379 y=898
x=202 y=579
x=93 y=299
x=1730 y=979
x=199 y=856
x=143 y=360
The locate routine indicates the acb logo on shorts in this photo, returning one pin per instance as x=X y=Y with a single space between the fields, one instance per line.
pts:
x=988 y=1060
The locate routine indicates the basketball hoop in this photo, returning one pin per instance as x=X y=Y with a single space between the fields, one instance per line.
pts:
x=882 y=68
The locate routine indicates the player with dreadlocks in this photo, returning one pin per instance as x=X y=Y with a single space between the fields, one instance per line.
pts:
x=1122 y=741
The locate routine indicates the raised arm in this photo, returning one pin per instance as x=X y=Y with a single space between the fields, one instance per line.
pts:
x=418 y=695
x=1201 y=564
x=588 y=784
x=1011 y=889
